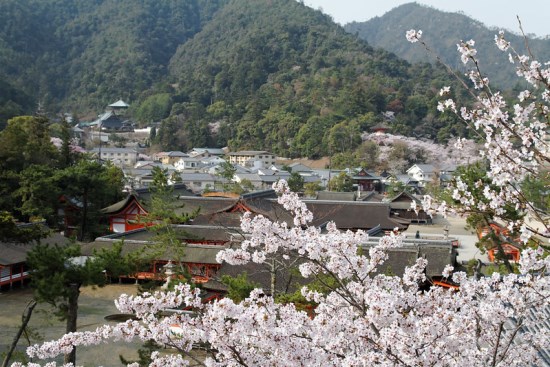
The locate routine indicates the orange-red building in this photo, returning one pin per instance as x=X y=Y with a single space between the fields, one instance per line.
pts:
x=510 y=246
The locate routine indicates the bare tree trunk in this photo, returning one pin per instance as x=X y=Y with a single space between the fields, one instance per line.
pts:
x=72 y=313
x=24 y=321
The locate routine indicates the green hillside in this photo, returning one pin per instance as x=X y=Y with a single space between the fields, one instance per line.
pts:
x=442 y=31
x=83 y=54
x=281 y=76
x=256 y=74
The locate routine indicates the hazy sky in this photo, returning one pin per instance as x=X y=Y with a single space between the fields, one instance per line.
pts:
x=534 y=14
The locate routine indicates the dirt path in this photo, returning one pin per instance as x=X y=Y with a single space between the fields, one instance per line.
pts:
x=94 y=305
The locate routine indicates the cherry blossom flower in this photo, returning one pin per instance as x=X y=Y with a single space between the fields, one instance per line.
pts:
x=413 y=35
x=365 y=317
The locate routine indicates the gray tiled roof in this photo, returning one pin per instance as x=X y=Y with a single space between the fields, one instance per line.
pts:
x=13 y=253
x=334 y=195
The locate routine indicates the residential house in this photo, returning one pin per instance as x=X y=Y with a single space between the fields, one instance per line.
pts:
x=121 y=157
x=188 y=163
x=141 y=176
x=336 y=196
x=403 y=179
x=171 y=157
x=257 y=158
x=325 y=175
x=212 y=161
x=262 y=179
x=206 y=152
x=423 y=173
x=198 y=182
x=426 y=173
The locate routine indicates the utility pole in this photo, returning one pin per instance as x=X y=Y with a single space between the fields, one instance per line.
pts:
x=100 y=126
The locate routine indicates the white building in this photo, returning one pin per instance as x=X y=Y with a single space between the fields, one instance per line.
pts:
x=121 y=157
x=258 y=158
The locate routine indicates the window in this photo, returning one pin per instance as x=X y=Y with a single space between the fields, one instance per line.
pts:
x=197 y=183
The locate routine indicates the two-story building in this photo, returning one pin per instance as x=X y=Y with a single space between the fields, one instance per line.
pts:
x=121 y=157
x=188 y=163
x=250 y=158
x=171 y=157
x=206 y=152
x=425 y=173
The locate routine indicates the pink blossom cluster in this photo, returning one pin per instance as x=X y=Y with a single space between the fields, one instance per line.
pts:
x=367 y=318
x=439 y=155
x=515 y=137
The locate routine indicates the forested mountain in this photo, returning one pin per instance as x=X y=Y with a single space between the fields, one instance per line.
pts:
x=257 y=74
x=281 y=76
x=442 y=31
x=85 y=53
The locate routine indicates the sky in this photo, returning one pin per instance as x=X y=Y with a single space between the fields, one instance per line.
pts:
x=534 y=14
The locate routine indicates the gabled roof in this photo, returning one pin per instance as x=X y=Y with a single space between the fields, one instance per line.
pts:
x=121 y=205
x=406 y=179
x=363 y=174
x=439 y=254
x=425 y=168
x=403 y=201
x=202 y=253
x=372 y=196
x=345 y=214
x=119 y=104
x=14 y=253
x=107 y=120
x=144 y=164
x=214 y=151
x=249 y=153
x=299 y=167
x=354 y=215
x=176 y=153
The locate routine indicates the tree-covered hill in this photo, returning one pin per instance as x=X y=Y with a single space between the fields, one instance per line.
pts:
x=442 y=31
x=256 y=74
x=83 y=54
x=278 y=75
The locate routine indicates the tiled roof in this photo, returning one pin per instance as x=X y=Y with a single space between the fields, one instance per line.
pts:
x=120 y=104
x=249 y=153
x=333 y=195
x=439 y=254
x=13 y=253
